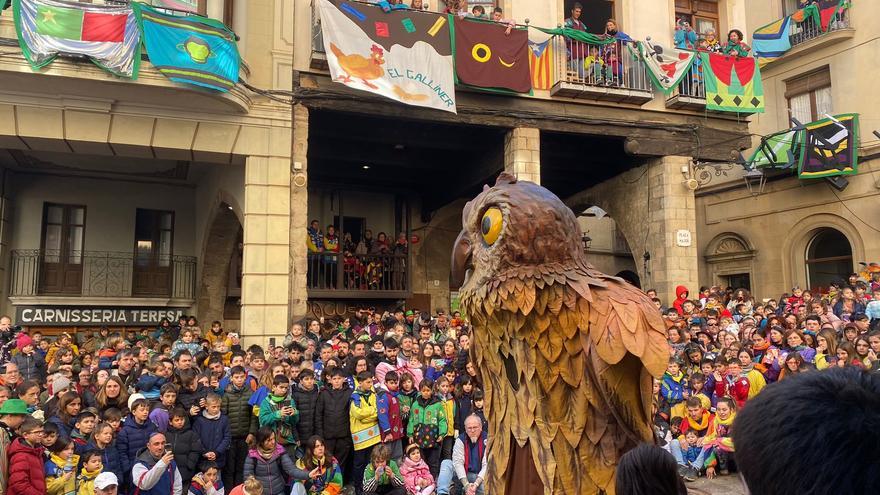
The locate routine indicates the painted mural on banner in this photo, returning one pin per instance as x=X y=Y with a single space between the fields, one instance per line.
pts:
x=84 y=316
x=830 y=147
x=403 y=55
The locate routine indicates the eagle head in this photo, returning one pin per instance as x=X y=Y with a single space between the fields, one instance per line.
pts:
x=514 y=229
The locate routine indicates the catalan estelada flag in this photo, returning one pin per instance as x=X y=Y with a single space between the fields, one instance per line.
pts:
x=540 y=64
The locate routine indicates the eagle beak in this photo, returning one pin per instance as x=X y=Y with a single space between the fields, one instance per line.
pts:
x=461 y=259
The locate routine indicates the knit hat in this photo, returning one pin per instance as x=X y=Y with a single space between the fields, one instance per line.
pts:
x=134 y=397
x=23 y=341
x=60 y=383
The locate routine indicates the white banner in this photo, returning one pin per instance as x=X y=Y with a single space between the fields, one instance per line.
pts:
x=404 y=55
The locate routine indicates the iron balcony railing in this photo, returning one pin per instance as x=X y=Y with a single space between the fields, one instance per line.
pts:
x=691 y=84
x=363 y=273
x=810 y=29
x=612 y=65
x=102 y=274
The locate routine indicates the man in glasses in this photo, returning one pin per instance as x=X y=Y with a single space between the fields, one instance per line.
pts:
x=26 y=475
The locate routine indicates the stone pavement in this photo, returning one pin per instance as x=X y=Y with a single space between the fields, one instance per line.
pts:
x=723 y=485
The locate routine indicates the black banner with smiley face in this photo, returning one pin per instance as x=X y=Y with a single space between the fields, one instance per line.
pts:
x=487 y=56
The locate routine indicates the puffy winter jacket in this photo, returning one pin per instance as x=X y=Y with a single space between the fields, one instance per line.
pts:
x=412 y=472
x=272 y=473
x=109 y=458
x=428 y=412
x=215 y=436
x=26 y=472
x=189 y=398
x=32 y=367
x=132 y=438
x=237 y=408
x=331 y=413
x=187 y=449
x=306 y=402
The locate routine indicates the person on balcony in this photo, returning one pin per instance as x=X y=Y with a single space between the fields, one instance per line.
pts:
x=736 y=45
x=685 y=38
x=576 y=50
x=612 y=31
x=315 y=243
x=712 y=43
x=331 y=245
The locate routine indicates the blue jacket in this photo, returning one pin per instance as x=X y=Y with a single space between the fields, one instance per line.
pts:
x=672 y=388
x=132 y=438
x=63 y=429
x=109 y=458
x=149 y=385
x=215 y=436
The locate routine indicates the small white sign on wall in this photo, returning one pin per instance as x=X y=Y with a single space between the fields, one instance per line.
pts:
x=683 y=238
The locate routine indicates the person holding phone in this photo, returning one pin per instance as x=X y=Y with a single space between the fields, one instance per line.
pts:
x=279 y=412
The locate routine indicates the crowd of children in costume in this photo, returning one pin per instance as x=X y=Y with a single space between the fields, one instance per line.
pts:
x=726 y=346
x=374 y=404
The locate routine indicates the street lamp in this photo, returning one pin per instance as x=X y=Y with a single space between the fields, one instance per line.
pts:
x=586 y=240
x=755 y=181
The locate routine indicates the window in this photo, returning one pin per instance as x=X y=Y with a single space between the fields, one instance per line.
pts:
x=153 y=241
x=702 y=15
x=594 y=14
x=828 y=259
x=62 y=248
x=809 y=96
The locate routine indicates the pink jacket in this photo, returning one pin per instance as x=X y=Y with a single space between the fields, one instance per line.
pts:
x=412 y=471
x=382 y=369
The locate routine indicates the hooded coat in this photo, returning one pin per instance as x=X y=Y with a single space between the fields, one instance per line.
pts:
x=26 y=471
x=187 y=449
x=272 y=473
x=680 y=297
x=307 y=402
x=331 y=413
x=412 y=472
x=131 y=439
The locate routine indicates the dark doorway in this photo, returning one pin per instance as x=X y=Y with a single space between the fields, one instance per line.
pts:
x=62 y=254
x=153 y=238
x=350 y=225
x=594 y=13
x=739 y=281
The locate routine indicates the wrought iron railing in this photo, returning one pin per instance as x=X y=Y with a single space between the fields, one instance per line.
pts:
x=612 y=65
x=810 y=29
x=358 y=272
x=103 y=273
x=691 y=84
x=317 y=37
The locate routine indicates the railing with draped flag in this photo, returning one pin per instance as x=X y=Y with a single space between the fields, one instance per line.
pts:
x=358 y=274
x=608 y=65
x=810 y=29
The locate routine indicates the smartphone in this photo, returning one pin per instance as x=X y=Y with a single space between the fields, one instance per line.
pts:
x=438 y=363
x=168 y=448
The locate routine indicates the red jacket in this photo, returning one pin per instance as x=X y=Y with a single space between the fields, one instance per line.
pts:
x=738 y=390
x=26 y=475
x=680 y=298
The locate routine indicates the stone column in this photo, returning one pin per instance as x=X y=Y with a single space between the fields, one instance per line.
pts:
x=522 y=153
x=266 y=264
x=299 y=215
x=671 y=207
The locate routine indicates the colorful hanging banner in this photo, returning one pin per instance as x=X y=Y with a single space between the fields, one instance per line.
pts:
x=772 y=41
x=107 y=34
x=190 y=49
x=541 y=64
x=666 y=66
x=733 y=84
x=487 y=56
x=830 y=147
x=402 y=55
x=780 y=150
x=182 y=5
x=828 y=10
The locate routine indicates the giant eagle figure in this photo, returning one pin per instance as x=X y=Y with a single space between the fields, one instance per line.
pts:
x=567 y=353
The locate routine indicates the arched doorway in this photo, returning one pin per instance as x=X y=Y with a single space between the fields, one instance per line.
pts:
x=829 y=258
x=605 y=245
x=631 y=277
x=220 y=288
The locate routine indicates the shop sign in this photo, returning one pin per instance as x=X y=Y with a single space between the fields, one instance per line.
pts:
x=49 y=316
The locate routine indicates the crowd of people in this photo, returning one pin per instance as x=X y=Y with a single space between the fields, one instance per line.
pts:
x=369 y=264
x=726 y=347
x=379 y=402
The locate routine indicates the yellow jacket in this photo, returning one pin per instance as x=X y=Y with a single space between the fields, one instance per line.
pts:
x=363 y=418
x=449 y=409
x=56 y=484
x=757 y=382
x=86 y=481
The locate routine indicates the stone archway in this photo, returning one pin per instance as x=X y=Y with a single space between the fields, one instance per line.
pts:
x=794 y=248
x=730 y=257
x=221 y=244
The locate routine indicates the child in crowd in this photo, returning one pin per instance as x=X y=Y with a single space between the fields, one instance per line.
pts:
x=674 y=388
x=102 y=443
x=416 y=474
x=212 y=427
x=91 y=468
x=136 y=430
x=186 y=342
x=382 y=475
x=61 y=468
x=167 y=400
x=428 y=425
x=207 y=482
x=364 y=424
x=279 y=412
x=184 y=443
x=389 y=415
x=83 y=428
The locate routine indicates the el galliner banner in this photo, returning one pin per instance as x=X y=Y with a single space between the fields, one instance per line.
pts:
x=404 y=55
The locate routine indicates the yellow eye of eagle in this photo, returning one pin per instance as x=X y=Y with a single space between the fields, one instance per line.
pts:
x=491 y=225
